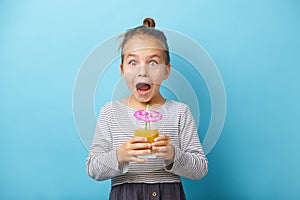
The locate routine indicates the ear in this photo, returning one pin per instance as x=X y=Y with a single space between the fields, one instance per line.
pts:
x=121 y=70
x=167 y=72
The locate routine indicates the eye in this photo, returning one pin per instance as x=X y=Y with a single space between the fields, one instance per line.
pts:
x=153 y=63
x=133 y=63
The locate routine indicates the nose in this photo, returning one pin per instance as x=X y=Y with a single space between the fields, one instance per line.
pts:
x=142 y=71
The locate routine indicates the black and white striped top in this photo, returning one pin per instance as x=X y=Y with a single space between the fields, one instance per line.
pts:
x=116 y=124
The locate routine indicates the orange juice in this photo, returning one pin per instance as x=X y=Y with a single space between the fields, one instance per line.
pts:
x=149 y=134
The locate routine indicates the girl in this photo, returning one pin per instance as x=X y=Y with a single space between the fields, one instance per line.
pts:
x=116 y=154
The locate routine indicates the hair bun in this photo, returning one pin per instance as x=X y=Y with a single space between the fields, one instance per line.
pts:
x=149 y=22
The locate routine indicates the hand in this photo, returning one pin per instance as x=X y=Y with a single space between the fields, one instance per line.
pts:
x=135 y=146
x=163 y=147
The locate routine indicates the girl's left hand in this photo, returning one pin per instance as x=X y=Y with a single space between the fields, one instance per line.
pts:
x=163 y=147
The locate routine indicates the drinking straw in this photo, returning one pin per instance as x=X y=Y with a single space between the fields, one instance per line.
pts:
x=147 y=124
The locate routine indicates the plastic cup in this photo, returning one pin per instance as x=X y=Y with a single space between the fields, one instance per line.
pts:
x=150 y=134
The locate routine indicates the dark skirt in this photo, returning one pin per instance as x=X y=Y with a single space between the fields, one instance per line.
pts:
x=145 y=191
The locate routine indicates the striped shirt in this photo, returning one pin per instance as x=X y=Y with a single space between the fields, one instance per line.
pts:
x=116 y=124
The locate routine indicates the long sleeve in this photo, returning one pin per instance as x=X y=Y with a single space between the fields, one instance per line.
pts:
x=116 y=124
x=190 y=160
x=102 y=160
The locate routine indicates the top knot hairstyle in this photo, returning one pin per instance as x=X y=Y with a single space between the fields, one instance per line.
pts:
x=147 y=29
x=149 y=22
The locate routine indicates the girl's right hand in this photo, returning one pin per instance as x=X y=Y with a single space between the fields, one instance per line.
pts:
x=135 y=146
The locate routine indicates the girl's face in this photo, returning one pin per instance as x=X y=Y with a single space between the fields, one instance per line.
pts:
x=144 y=68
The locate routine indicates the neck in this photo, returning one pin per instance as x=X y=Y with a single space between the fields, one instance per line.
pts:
x=156 y=102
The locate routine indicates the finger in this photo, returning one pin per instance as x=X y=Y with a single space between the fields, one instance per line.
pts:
x=140 y=152
x=161 y=137
x=137 y=139
x=160 y=149
x=160 y=143
x=139 y=160
x=141 y=146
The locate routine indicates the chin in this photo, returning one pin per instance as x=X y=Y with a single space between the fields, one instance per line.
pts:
x=143 y=99
x=140 y=98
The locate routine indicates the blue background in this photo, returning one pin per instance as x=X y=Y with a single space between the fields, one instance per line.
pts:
x=255 y=45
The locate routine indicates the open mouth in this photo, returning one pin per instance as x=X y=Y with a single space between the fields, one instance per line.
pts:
x=143 y=89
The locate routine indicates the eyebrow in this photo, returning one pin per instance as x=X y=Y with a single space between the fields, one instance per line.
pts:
x=132 y=55
x=154 y=55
